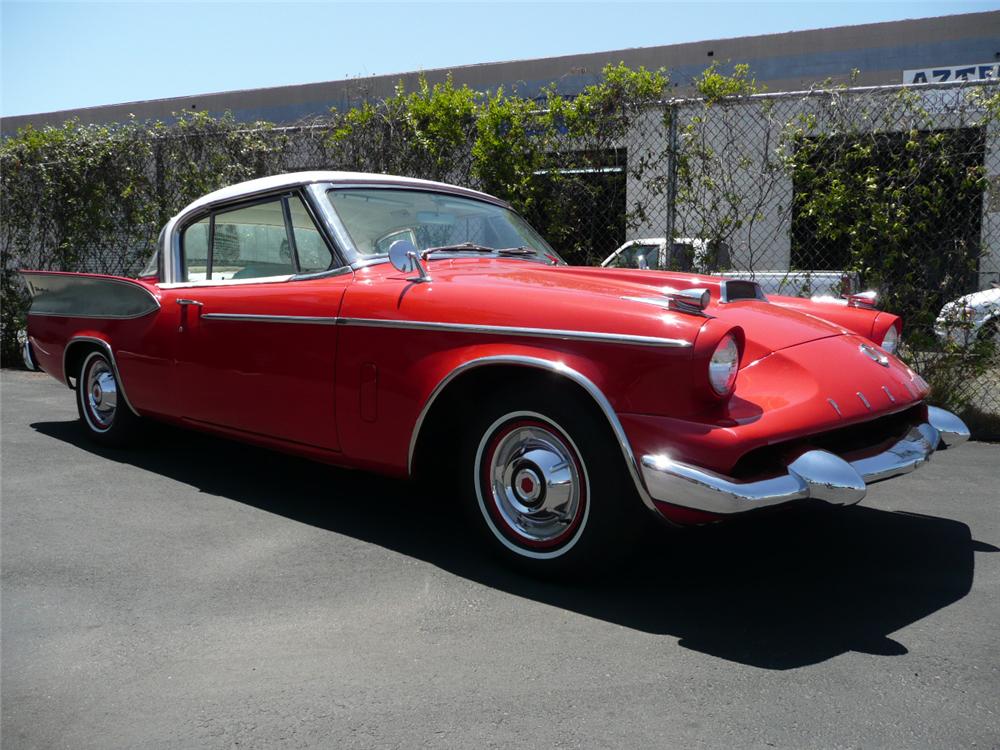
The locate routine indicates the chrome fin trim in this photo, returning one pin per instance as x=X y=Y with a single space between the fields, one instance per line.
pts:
x=816 y=474
x=555 y=367
x=111 y=357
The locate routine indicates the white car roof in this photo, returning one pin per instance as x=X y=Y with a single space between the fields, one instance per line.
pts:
x=294 y=179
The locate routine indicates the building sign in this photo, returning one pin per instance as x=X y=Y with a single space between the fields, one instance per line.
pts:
x=953 y=73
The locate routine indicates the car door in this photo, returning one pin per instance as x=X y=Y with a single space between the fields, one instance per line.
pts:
x=256 y=342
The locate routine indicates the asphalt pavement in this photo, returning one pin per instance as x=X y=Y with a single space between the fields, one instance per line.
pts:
x=196 y=592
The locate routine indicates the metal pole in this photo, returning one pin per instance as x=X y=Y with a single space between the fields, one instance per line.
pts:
x=668 y=234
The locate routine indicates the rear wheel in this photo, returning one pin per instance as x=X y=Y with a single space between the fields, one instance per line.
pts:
x=549 y=490
x=100 y=403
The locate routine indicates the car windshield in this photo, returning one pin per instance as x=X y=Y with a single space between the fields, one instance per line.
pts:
x=377 y=217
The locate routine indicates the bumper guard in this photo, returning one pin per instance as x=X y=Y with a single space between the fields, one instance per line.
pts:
x=816 y=474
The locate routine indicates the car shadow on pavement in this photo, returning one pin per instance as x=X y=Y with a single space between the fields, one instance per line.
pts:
x=776 y=592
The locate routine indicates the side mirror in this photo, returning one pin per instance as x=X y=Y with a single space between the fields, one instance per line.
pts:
x=404 y=257
x=402 y=254
x=866 y=300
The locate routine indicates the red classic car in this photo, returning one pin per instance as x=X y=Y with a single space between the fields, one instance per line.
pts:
x=425 y=330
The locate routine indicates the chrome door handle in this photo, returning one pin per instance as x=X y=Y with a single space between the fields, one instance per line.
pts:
x=185 y=303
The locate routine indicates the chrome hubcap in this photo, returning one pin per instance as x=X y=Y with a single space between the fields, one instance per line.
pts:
x=102 y=393
x=534 y=483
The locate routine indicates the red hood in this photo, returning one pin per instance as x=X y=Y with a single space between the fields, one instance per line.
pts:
x=515 y=293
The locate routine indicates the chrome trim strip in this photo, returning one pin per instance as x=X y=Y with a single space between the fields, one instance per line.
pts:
x=227 y=282
x=297 y=319
x=661 y=302
x=331 y=223
x=864 y=401
x=114 y=365
x=604 y=338
x=835 y=406
x=560 y=369
x=816 y=474
x=417 y=325
x=687 y=301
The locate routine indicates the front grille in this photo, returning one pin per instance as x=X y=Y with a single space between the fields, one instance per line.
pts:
x=850 y=443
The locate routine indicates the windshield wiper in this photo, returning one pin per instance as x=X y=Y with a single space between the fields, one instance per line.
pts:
x=462 y=247
x=472 y=247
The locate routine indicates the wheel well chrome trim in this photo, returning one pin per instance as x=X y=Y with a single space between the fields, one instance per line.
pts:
x=558 y=368
x=106 y=347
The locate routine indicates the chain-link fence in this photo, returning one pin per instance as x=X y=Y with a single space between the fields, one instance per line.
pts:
x=894 y=188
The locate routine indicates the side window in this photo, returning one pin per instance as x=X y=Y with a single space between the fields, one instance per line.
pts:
x=275 y=237
x=314 y=255
x=251 y=242
x=195 y=242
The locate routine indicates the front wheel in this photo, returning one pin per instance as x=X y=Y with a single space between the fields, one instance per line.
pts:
x=100 y=403
x=549 y=487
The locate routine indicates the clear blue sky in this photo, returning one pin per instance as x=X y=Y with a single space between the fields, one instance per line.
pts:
x=67 y=55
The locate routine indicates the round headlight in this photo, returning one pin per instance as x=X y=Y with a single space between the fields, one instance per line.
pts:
x=891 y=340
x=723 y=365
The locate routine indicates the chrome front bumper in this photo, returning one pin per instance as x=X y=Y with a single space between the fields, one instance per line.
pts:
x=816 y=474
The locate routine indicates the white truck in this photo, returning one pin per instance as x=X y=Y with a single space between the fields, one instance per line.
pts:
x=694 y=255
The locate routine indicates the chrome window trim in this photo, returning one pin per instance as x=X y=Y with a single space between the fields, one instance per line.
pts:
x=111 y=357
x=228 y=282
x=331 y=224
x=555 y=367
x=338 y=271
x=314 y=207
